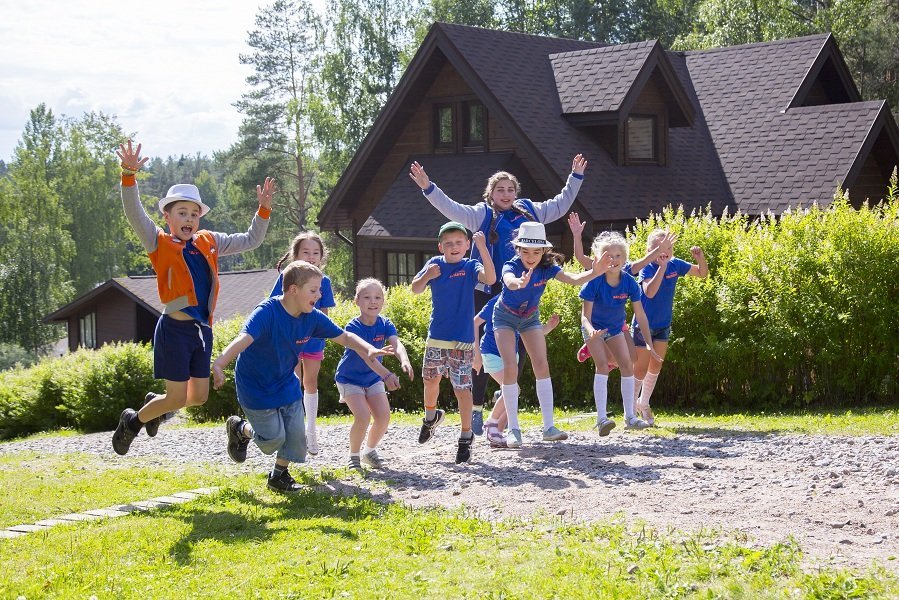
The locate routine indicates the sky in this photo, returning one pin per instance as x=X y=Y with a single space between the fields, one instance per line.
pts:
x=169 y=70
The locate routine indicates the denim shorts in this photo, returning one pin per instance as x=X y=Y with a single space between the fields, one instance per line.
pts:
x=348 y=389
x=493 y=363
x=280 y=430
x=503 y=318
x=658 y=335
x=181 y=349
x=606 y=336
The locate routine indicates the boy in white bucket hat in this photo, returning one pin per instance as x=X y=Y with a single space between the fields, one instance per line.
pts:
x=518 y=310
x=185 y=260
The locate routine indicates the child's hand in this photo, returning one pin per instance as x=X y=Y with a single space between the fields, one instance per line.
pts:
x=696 y=252
x=601 y=263
x=392 y=382
x=551 y=323
x=477 y=362
x=265 y=192
x=598 y=333
x=433 y=271
x=579 y=164
x=525 y=279
x=130 y=158
x=407 y=369
x=574 y=223
x=218 y=375
x=418 y=175
x=480 y=241
x=653 y=353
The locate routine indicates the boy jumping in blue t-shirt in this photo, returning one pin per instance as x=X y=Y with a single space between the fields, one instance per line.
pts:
x=267 y=388
x=450 y=344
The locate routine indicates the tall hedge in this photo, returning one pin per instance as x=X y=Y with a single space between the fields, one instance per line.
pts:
x=798 y=310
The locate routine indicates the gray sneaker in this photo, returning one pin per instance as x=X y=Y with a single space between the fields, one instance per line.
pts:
x=636 y=423
x=554 y=434
x=513 y=440
x=372 y=459
x=355 y=464
x=604 y=426
x=477 y=421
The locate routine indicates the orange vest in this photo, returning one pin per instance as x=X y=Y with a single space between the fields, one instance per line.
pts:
x=173 y=280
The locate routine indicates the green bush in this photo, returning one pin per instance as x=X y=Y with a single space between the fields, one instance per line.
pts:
x=797 y=311
x=13 y=355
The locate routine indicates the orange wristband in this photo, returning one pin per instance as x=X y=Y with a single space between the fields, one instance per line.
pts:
x=264 y=212
x=128 y=180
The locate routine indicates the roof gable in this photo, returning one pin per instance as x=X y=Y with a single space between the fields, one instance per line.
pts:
x=827 y=81
x=600 y=85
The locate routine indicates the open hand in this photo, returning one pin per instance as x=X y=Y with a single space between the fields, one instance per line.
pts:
x=418 y=175
x=575 y=224
x=130 y=157
x=265 y=192
x=579 y=164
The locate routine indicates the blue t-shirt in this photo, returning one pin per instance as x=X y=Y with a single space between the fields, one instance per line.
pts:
x=527 y=299
x=326 y=301
x=488 y=341
x=352 y=369
x=659 y=307
x=452 y=298
x=264 y=371
x=609 y=302
x=199 y=273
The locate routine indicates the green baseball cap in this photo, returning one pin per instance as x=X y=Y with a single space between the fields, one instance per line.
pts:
x=451 y=226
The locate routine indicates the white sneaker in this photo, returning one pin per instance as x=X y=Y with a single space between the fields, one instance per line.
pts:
x=513 y=440
x=312 y=441
x=373 y=460
x=636 y=423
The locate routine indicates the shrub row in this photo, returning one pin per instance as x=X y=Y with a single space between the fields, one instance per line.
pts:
x=798 y=311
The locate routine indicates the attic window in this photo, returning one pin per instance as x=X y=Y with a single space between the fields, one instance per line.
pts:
x=640 y=142
x=475 y=123
x=443 y=126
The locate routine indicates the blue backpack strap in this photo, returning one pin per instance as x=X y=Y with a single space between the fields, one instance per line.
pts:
x=488 y=218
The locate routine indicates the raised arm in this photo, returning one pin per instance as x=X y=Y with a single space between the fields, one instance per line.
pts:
x=420 y=282
x=488 y=275
x=555 y=208
x=142 y=224
x=598 y=267
x=701 y=269
x=237 y=345
x=665 y=246
x=651 y=287
x=234 y=243
x=470 y=216
x=577 y=231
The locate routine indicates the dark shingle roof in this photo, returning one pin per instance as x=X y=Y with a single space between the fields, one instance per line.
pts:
x=598 y=79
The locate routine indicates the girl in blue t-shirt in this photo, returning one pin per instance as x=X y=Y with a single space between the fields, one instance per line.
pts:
x=308 y=246
x=363 y=384
x=602 y=320
x=658 y=281
x=517 y=311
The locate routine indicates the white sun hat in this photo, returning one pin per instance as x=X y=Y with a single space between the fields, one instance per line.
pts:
x=532 y=235
x=183 y=192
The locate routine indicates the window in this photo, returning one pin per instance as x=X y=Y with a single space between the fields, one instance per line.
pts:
x=641 y=140
x=443 y=126
x=475 y=124
x=401 y=267
x=87 y=326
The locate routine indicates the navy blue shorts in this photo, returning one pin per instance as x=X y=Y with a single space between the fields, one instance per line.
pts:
x=658 y=335
x=181 y=349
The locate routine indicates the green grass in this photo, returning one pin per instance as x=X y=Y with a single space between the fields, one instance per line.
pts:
x=315 y=545
x=39 y=486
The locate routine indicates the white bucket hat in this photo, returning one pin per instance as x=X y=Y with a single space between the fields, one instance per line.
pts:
x=532 y=235
x=183 y=192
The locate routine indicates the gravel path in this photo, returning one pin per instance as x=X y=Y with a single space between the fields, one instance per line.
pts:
x=838 y=496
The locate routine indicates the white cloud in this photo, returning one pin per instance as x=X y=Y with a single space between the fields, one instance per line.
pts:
x=169 y=69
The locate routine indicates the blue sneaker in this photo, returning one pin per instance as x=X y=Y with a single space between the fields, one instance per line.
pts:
x=477 y=421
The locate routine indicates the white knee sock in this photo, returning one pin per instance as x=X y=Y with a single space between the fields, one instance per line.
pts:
x=310 y=402
x=510 y=395
x=627 y=394
x=545 y=397
x=638 y=384
x=601 y=395
x=649 y=384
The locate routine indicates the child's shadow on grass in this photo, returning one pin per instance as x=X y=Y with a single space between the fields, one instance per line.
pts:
x=250 y=519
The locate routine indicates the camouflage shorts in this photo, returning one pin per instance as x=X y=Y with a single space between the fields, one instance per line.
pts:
x=454 y=364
